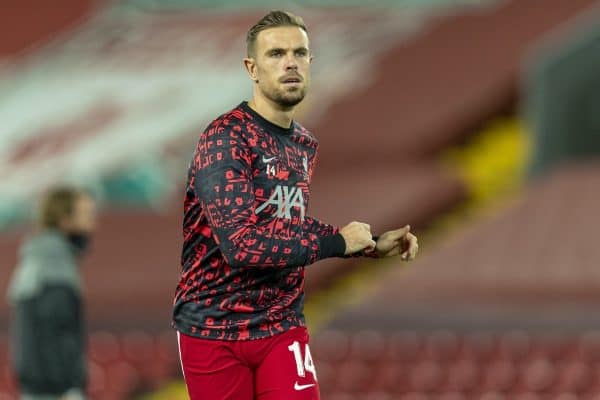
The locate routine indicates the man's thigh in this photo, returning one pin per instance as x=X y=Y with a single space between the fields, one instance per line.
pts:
x=287 y=371
x=212 y=370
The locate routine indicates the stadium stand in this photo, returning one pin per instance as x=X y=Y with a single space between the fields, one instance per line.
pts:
x=417 y=105
x=442 y=364
x=29 y=24
x=539 y=255
x=505 y=306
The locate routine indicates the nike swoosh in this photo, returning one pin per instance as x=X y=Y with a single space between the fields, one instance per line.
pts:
x=302 y=387
x=268 y=160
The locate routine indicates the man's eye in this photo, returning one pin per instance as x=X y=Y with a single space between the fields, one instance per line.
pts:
x=301 y=53
x=276 y=53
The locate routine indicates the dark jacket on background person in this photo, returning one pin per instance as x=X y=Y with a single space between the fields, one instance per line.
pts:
x=47 y=329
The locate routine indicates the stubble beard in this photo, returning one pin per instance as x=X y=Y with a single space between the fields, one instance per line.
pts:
x=287 y=98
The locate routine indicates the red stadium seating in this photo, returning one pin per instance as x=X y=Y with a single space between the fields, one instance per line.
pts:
x=545 y=371
x=119 y=365
x=437 y=365
x=104 y=347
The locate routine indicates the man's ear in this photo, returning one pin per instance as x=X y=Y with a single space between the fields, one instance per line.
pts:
x=250 y=65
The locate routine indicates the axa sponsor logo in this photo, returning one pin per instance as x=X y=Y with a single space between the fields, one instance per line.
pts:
x=305 y=166
x=285 y=198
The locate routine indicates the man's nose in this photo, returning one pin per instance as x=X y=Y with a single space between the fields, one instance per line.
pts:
x=290 y=62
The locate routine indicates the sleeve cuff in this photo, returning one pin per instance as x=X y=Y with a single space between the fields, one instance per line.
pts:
x=332 y=246
x=372 y=254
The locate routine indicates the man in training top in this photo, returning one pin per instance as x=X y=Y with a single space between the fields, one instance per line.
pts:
x=238 y=308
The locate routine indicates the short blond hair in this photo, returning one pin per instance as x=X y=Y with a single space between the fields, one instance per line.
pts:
x=273 y=19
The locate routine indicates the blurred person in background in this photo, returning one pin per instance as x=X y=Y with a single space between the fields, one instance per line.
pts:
x=238 y=308
x=45 y=292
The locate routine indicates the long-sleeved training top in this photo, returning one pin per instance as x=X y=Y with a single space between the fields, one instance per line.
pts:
x=247 y=235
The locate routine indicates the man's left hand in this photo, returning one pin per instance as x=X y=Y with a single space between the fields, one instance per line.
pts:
x=398 y=242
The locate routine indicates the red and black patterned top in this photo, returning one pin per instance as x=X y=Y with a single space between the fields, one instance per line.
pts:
x=247 y=237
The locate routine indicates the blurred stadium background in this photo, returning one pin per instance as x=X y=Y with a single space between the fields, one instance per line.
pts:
x=477 y=122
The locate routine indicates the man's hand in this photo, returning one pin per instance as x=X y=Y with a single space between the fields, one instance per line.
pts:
x=358 y=237
x=398 y=242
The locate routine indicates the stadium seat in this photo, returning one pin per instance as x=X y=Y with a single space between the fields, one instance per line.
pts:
x=452 y=396
x=415 y=396
x=122 y=379
x=442 y=346
x=378 y=396
x=103 y=347
x=326 y=373
x=96 y=379
x=500 y=376
x=368 y=346
x=524 y=396
x=515 y=346
x=479 y=347
x=554 y=347
x=343 y=396
x=575 y=377
x=565 y=396
x=463 y=376
x=538 y=375
x=391 y=377
x=426 y=376
x=353 y=376
x=493 y=396
x=140 y=350
x=331 y=345
x=166 y=348
x=405 y=346
x=137 y=347
x=589 y=347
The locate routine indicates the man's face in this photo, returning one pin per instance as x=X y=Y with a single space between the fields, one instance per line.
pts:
x=281 y=65
x=83 y=219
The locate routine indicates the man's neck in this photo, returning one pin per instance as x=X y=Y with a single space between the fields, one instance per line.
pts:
x=271 y=112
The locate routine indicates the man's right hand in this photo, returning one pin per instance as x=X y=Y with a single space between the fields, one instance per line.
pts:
x=358 y=237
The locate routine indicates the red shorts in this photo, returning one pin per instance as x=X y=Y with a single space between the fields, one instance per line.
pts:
x=275 y=368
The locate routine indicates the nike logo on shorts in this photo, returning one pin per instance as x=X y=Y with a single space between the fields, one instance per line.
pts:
x=302 y=387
